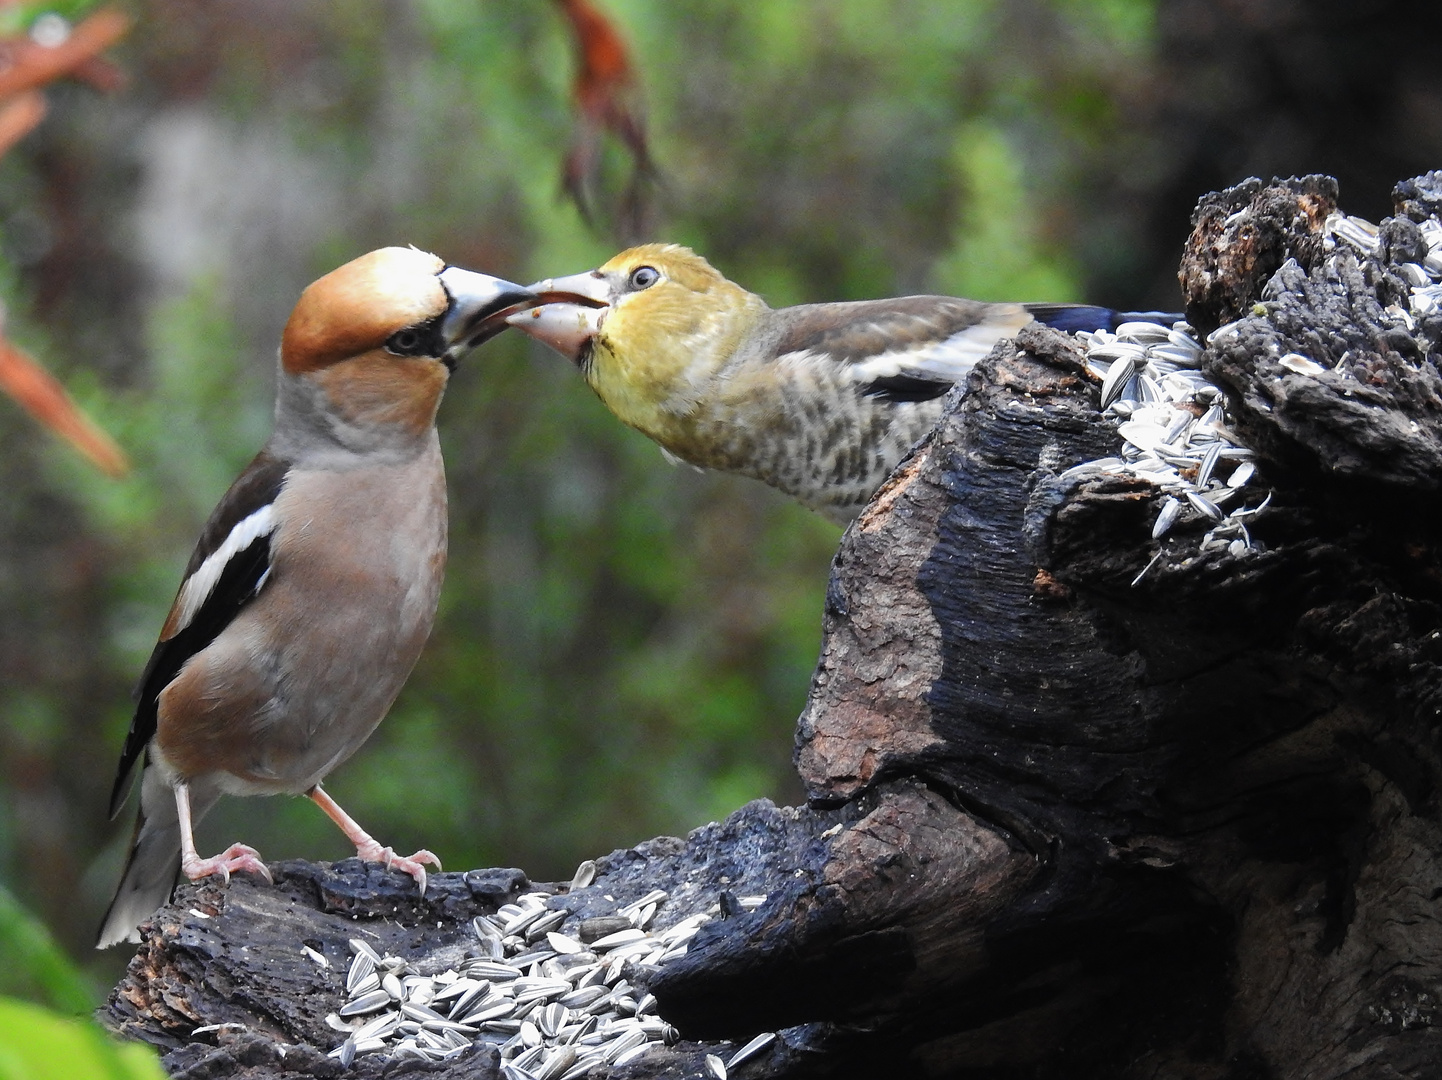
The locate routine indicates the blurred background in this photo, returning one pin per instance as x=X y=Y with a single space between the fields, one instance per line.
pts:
x=623 y=646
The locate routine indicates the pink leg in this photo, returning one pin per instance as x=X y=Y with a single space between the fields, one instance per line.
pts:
x=235 y=857
x=366 y=846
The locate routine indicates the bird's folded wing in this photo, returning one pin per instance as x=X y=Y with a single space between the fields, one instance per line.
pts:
x=227 y=570
x=911 y=348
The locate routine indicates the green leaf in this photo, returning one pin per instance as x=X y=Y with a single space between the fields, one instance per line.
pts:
x=36 y=1044
x=28 y=951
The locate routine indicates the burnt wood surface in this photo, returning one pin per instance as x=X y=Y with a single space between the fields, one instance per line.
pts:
x=1082 y=803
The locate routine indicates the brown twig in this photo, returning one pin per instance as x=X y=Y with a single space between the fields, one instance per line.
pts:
x=42 y=396
x=31 y=65
x=25 y=66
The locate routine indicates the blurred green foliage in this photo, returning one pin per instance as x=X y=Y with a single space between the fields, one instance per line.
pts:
x=623 y=646
x=33 y=965
x=36 y=1044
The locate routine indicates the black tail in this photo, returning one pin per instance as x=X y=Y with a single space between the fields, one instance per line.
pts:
x=1069 y=318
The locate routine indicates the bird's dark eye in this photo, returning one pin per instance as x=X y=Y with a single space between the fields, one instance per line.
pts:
x=643 y=277
x=411 y=341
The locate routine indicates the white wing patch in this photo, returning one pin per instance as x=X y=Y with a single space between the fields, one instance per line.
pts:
x=950 y=358
x=945 y=360
x=201 y=584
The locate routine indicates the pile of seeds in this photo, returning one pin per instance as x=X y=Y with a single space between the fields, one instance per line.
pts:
x=1174 y=428
x=1173 y=422
x=555 y=1004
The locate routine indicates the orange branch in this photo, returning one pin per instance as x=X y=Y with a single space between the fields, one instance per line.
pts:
x=40 y=394
x=32 y=64
x=18 y=117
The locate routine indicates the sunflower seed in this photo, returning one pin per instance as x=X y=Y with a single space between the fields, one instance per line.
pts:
x=530 y=959
x=557 y=1062
x=584 y=875
x=378 y=1028
x=546 y=923
x=551 y=1019
x=1122 y=369
x=494 y=1010
x=563 y=944
x=366 y=1003
x=715 y=1067
x=1209 y=464
x=1301 y=365
x=632 y=1054
x=619 y=938
x=360 y=948
x=419 y=1013
x=456 y=988
x=522 y=919
x=494 y=971
x=655 y=896
x=1205 y=505
x=629 y=1039
x=577 y=1032
x=589 y=930
x=360 y=969
x=751 y=1049
x=1166 y=518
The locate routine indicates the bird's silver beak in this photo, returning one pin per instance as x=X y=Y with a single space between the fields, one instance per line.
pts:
x=569 y=314
x=479 y=307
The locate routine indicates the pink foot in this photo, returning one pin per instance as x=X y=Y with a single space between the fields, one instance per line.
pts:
x=373 y=852
x=235 y=857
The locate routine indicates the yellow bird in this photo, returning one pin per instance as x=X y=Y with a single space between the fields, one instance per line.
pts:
x=818 y=400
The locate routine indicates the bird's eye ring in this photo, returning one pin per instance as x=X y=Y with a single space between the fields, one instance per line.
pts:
x=404 y=342
x=643 y=277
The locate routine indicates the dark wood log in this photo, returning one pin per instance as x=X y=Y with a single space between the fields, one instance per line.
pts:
x=1083 y=803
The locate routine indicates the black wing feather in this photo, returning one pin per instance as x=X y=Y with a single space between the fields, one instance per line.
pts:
x=238 y=584
x=1069 y=318
x=903 y=388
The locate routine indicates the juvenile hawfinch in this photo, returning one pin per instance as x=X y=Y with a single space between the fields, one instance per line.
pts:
x=314 y=584
x=819 y=400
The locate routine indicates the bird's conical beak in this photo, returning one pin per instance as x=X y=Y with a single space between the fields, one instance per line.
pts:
x=479 y=306
x=569 y=313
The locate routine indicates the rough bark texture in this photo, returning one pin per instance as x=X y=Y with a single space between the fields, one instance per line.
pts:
x=1063 y=823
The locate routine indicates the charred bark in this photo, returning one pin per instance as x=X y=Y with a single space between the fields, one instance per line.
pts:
x=1082 y=803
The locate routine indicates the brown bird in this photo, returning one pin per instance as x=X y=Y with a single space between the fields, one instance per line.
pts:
x=315 y=581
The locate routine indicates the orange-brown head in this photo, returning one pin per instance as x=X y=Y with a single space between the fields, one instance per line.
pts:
x=379 y=335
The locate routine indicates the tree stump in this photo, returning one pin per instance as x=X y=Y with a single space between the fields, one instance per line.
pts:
x=1082 y=803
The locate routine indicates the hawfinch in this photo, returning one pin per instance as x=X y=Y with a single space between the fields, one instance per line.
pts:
x=819 y=400
x=314 y=584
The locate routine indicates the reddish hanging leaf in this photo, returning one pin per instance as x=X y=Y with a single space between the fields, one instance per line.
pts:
x=26 y=64
x=608 y=99
x=45 y=399
x=18 y=117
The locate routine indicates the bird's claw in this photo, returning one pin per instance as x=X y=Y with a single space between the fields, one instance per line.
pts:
x=236 y=857
x=411 y=865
